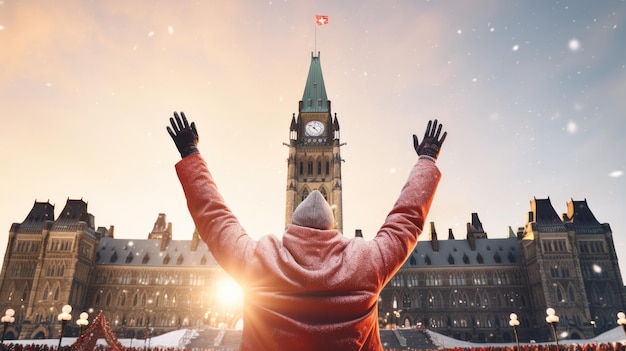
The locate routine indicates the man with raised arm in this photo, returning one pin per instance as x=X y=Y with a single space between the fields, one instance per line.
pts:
x=314 y=289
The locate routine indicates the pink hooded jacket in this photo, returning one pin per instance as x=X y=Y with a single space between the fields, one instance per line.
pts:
x=314 y=289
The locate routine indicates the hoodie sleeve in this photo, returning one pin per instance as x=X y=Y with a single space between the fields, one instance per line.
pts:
x=216 y=224
x=398 y=235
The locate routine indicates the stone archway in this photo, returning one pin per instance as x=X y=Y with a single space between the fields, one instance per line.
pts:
x=40 y=332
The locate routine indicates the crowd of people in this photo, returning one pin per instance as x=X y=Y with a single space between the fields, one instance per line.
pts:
x=617 y=346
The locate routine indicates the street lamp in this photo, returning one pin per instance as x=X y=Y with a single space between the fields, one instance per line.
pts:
x=82 y=322
x=6 y=319
x=64 y=317
x=553 y=319
x=514 y=322
x=621 y=320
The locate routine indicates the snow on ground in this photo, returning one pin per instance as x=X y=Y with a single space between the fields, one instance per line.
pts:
x=173 y=340
x=614 y=335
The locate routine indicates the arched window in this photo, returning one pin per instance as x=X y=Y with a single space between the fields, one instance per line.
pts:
x=324 y=193
x=559 y=294
x=406 y=300
x=305 y=193
x=121 y=299
x=571 y=293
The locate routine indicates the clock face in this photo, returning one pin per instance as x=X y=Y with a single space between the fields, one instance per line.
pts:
x=314 y=128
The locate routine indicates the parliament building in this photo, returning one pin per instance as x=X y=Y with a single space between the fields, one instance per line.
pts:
x=466 y=288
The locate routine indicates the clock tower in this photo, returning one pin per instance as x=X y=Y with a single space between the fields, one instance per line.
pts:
x=314 y=161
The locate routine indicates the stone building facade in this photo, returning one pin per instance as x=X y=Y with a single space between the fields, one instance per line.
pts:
x=465 y=288
x=468 y=288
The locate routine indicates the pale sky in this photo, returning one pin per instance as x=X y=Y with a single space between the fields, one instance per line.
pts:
x=532 y=94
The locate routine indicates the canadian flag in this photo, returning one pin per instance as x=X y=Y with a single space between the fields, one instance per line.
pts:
x=321 y=20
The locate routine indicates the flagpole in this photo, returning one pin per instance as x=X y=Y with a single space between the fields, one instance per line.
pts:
x=315 y=40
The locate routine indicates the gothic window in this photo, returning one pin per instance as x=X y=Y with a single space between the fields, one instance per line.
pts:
x=98 y=298
x=113 y=257
x=559 y=294
x=146 y=258
x=554 y=272
x=319 y=167
x=564 y=272
x=465 y=259
x=479 y=258
x=480 y=279
x=61 y=270
x=324 y=193
x=24 y=294
x=180 y=259
x=571 y=293
x=511 y=257
x=11 y=292
x=301 y=168
x=431 y=300
x=309 y=168
x=45 y=294
x=497 y=258
x=412 y=261
x=498 y=300
x=166 y=259
x=305 y=193
x=121 y=299
x=108 y=300
x=135 y=300
x=327 y=168
x=450 y=259
x=427 y=260
x=56 y=293
x=406 y=300
x=129 y=258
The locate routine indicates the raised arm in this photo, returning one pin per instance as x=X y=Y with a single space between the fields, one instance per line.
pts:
x=216 y=224
x=398 y=235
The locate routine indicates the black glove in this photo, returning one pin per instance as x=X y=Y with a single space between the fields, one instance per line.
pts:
x=185 y=136
x=431 y=144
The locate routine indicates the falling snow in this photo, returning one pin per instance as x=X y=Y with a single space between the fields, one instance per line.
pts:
x=574 y=45
x=571 y=127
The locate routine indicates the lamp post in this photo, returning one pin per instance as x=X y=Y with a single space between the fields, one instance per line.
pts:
x=553 y=319
x=621 y=320
x=7 y=319
x=64 y=317
x=514 y=322
x=82 y=322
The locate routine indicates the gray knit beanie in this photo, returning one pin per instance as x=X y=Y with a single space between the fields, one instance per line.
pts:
x=314 y=212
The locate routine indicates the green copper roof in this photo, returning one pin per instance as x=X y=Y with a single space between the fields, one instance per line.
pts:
x=314 y=98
